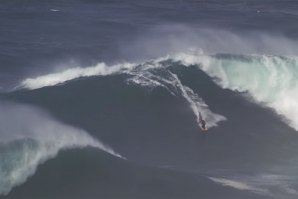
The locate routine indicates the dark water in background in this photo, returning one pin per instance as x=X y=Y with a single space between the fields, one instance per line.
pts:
x=40 y=36
x=238 y=67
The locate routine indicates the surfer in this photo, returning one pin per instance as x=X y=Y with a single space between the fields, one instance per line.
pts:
x=202 y=122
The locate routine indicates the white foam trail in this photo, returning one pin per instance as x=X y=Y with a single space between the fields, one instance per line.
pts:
x=160 y=76
x=148 y=80
x=277 y=185
x=72 y=73
x=144 y=75
x=54 y=10
x=238 y=185
x=270 y=80
x=29 y=137
x=198 y=105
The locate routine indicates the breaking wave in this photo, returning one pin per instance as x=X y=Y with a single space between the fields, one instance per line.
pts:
x=271 y=81
x=150 y=74
x=29 y=137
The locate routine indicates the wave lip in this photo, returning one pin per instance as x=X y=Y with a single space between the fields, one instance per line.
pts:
x=70 y=74
x=29 y=137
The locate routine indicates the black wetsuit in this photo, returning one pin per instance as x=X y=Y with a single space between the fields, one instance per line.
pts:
x=203 y=124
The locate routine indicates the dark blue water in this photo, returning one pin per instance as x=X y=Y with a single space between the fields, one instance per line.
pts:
x=100 y=99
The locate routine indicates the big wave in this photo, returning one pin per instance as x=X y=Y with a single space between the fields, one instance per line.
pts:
x=29 y=137
x=269 y=80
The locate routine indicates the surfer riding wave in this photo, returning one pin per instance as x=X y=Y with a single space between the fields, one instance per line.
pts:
x=202 y=123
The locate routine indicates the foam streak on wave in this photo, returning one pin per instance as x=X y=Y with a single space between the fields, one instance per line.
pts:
x=238 y=185
x=161 y=76
x=29 y=137
x=270 y=80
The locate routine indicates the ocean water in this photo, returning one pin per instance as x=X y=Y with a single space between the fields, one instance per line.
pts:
x=101 y=99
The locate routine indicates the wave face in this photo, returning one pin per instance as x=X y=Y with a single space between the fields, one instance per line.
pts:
x=155 y=73
x=158 y=74
x=271 y=81
x=148 y=111
x=29 y=137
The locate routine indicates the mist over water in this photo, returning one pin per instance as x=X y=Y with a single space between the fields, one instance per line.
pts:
x=172 y=39
x=166 y=41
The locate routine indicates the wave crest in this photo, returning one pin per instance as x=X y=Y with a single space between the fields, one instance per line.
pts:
x=70 y=74
x=29 y=137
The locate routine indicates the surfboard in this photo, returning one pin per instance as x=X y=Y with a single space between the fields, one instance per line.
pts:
x=204 y=130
